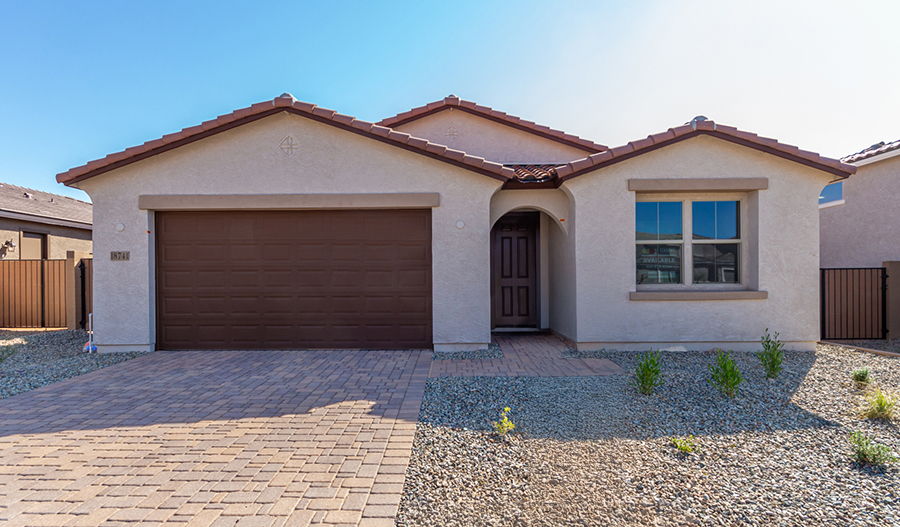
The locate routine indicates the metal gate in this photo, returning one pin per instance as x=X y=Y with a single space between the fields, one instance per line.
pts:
x=854 y=303
x=33 y=293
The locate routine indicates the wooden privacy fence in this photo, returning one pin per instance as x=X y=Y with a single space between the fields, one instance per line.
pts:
x=854 y=303
x=45 y=293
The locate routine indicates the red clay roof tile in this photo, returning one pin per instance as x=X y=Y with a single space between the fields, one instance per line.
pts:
x=489 y=113
x=703 y=127
x=875 y=150
x=288 y=104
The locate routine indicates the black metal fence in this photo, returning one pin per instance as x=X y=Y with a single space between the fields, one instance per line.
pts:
x=854 y=303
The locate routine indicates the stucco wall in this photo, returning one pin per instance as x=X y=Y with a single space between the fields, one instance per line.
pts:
x=786 y=228
x=60 y=239
x=248 y=160
x=563 y=291
x=496 y=142
x=865 y=230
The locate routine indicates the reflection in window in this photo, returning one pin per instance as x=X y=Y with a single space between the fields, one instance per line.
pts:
x=831 y=193
x=658 y=220
x=716 y=262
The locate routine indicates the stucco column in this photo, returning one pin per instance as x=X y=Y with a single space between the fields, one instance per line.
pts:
x=893 y=298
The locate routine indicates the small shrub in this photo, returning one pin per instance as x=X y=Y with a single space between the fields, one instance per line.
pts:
x=504 y=425
x=685 y=445
x=880 y=404
x=869 y=453
x=724 y=374
x=647 y=373
x=861 y=376
x=772 y=354
x=6 y=352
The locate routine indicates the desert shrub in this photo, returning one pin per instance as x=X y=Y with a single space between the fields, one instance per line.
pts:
x=647 y=372
x=869 y=453
x=504 y=425
x=879 y=404
x=861 y=376
x=6 y=352
x=772 y=354
x=724 y=374
x=685 y=445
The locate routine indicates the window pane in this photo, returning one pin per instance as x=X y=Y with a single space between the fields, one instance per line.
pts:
x=717 y=263
x=704 y=220
x=658 y=264
x=646 y=221
x=832 y=192
x=728 y=220
x=670 y=220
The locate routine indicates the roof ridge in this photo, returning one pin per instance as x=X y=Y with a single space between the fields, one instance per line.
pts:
x=697 y=126
x=496 y=115
x=285 y=102
x=873 y=151
x=2 y=184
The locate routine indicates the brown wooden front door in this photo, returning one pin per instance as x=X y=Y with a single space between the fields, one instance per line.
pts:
x=514 y=270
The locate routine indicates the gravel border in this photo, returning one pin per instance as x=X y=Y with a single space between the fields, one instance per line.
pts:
x=493 y=351
x=892 y=345
x=44 y=357
x=593 y=451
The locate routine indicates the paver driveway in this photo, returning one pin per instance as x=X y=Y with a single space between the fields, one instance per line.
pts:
x=215 y=438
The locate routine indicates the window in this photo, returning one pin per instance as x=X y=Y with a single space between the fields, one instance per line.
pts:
x=832 y=194
x=660 y=241
x=714 y=251
x=716 y=227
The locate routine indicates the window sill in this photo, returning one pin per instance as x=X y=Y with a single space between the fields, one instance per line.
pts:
x=681 y=296
x=831 y=204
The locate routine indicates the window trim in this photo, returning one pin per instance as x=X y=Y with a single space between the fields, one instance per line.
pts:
x=687 y=278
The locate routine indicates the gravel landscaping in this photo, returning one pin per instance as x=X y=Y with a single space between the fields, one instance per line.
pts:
x=594 y=451
x=892 y=345
x=40 y=358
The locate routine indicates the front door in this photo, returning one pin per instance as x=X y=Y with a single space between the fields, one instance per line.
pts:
x=514 y=270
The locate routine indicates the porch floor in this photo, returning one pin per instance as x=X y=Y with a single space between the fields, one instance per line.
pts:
x=526 y=356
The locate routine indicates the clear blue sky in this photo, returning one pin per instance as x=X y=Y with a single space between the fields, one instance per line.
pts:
x=80 y=80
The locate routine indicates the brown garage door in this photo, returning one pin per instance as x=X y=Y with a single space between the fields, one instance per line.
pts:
x=294 y=279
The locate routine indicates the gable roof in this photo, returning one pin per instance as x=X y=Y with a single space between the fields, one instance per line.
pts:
x=285 y=103
x=42 y=207
x=873 y=151
x=452 y=101
x=702 y=126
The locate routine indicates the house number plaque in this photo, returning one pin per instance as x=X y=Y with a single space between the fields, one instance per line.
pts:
x=120 y=256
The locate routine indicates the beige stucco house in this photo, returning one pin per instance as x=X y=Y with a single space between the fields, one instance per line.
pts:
x=285 y=225
x=37 y=225
x=859 y=226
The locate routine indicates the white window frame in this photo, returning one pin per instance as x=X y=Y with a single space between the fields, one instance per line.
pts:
x=687 y=241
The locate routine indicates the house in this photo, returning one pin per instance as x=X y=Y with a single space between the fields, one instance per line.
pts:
x=36 y=225
x=286 y=225
x=858 y=223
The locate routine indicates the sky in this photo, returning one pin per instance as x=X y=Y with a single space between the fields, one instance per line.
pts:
x=80 y=80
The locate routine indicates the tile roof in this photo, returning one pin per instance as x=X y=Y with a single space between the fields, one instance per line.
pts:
x=285 y=103
x=23 y=200
x=533 y=173
x=872 y=151
x=702 y=126
x=452 y=101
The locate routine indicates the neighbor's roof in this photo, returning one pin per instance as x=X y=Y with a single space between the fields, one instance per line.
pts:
x=452 y=101
x=42 y=207
x=702 y=126
x=872 y=151
x=285 y=103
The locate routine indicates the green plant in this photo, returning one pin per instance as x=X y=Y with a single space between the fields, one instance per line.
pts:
x=685 y=445
x=861 y=376
x=772 y=354
x=724 y=374
x=880 y=404
x=647 y=373
x=504 y=425
x=869 y=453
x=6 y=352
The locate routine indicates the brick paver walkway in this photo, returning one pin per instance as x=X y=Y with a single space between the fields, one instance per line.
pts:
x=526 y=356
x=215 y=438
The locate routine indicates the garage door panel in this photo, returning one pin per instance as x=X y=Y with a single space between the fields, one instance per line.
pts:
x=298 y=279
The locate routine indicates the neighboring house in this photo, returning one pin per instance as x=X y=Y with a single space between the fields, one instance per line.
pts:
x=37 y=225
x=858 y=219
x=285 y=225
